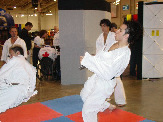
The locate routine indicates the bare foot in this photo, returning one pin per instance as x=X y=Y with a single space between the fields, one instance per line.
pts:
x=112 y=107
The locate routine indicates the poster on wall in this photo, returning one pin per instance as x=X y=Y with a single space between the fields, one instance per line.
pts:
x=125 y=7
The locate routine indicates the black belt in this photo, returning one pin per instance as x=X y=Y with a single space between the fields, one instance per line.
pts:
x=112 y=78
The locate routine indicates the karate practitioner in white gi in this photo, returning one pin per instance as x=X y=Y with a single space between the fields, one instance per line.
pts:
x=106 y=66
x=104 y=42
x=12 y=41
x=17 y=80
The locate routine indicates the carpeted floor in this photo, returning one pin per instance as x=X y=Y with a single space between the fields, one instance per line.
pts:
x=66 y=109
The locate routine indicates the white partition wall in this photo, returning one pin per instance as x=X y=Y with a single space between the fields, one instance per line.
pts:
x=152 y=64
x=79 y=28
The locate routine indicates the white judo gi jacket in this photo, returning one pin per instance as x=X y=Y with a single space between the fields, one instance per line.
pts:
x=106 y=66
x=110 y=40
x=8 y=44
x=119 y=93
x=17 y=70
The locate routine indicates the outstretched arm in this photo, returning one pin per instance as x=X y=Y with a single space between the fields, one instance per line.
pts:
x=104 y=68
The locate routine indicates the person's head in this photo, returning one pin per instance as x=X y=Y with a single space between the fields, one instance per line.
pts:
x=28 y=26
x=129 y=31
x=113 y=27
x=43 y=33
x=47 y=42
x=13 y=32
x=16 y=50
x=56 y=29
x=105 y=25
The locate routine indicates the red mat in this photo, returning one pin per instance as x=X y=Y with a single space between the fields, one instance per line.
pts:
x=29 y=113
x=77 y=117
x=117 y=115
x=38 y=112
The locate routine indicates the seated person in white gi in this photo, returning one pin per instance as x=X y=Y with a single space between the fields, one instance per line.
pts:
x=47 y=51
x=10 y=42
x=17 y=80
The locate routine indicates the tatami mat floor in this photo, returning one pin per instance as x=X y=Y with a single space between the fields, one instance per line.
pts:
x=144 y=97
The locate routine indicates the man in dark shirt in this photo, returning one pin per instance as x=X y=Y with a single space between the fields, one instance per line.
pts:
x=25 y=36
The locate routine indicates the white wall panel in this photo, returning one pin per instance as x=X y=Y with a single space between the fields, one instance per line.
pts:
x=79 y=30
x=152 y=41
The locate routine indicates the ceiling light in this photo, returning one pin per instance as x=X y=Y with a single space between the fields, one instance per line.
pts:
x=14 y=6
x=49 y=14
x=55 y=0
x=116 y=2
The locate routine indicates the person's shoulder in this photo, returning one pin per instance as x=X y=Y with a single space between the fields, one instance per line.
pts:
x=124 y=49
x=23 y=30
x=42 y=49
x=101 y=35
x=37 y=37
x=14 y=60
x=20 y=39
x=8 y=40
x=111 y=33
x=19 y=57
x=57 y=32
x=52 y=49
x=111 y=36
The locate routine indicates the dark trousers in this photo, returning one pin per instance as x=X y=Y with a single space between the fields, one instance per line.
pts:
x=133 y=62
x=35 y=56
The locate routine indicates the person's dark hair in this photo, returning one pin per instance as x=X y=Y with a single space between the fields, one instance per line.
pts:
x=106 y=22
x=13 y=27
x=47 y=42
x=42 y=32
x=134 y=29
x=29 y=23
x=113 y=25
x=16 y=48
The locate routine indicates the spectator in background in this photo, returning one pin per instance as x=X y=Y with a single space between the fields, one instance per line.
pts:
x=107 y=38
x=113 y=27
x=10 y=42
x=56 y=42
x=38 y=44
x=47 y=51
x=27 y=38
